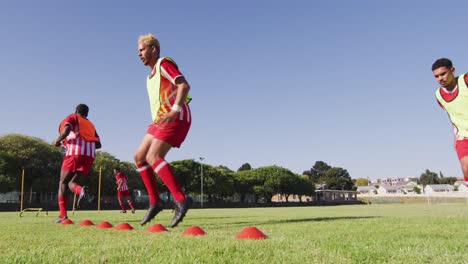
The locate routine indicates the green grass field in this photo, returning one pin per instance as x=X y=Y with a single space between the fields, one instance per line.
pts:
x=393 y=233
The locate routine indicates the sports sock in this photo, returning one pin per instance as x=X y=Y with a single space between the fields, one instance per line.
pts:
x=147 y=175
x=131 y=205
x=62 y=203
x=164 y=171
x=122 y=206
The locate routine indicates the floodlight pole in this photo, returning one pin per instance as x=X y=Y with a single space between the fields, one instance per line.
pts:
x=201 y=173
x=22 y=189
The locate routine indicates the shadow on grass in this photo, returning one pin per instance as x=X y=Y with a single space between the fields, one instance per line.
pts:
x=292 y=221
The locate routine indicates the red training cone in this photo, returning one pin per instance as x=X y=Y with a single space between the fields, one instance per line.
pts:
x=123 y=226
x=104 y=224
x=156 y=228
x=251 y=232
x=86 y=223
x=194 y=231
x=67 y=222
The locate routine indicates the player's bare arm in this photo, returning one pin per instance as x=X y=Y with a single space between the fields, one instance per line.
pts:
x=63 y=135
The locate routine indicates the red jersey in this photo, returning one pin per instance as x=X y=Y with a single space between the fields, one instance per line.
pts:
x=75 y=143
x=123 y=179
x=167 y=88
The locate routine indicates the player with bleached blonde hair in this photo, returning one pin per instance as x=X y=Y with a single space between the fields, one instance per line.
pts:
x=171 y=120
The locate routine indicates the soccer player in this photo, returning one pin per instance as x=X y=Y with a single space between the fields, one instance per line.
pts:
x=171 y=120
x=453 y=98
x=80 y=139
x=122 y=190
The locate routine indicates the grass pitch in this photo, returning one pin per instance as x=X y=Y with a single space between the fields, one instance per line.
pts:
x=395 y=233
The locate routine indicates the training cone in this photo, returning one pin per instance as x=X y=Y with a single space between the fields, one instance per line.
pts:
x=86 y=223
x=194 y=231
x=123 y=226
x=104 y=224
x=67 y=222
x=156 y=228
x=251 y=232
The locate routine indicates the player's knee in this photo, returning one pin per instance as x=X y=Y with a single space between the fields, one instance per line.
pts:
x=139 y=158
x=465 y=170
x=149 y=159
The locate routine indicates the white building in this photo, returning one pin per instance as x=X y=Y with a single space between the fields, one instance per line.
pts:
x=432 y=188
x=462 y=186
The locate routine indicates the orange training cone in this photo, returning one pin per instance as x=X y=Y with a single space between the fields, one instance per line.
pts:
x=251 y=232
x=194 y=231
x=156 y=228
x=86 y=223
x=104 y=224
x=123 y=226
x=67 y=222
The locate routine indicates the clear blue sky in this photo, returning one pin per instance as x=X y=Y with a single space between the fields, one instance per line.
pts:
x=273 y=82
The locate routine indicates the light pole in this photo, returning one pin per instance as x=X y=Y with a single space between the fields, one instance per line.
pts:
x=201 y=173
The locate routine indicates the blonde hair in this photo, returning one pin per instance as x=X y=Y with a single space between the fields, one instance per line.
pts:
x=150 y=40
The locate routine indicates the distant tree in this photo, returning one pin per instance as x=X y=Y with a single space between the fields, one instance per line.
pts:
x=217 y=183
x=337 y=179
x=188 y=172
x=302 y=186
x=429 y=177
x=40 y=160
x=225 y=168
x=441 y=175
x=244 y=167
x=448 y=180
x=317 y=171
x=244 y=182
x=104 y=164
x=362 y=182
x=417 y=190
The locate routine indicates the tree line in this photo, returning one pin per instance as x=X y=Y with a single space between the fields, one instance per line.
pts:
x=41 y=162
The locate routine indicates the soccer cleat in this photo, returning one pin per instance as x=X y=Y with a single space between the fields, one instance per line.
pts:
x=181 y=209
x=153 y=210
x=123 y=211
x=133 y=210
x=83 y=195
x=60 y=219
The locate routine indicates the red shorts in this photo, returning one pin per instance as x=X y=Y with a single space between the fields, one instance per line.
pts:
x=123 y=194
x=173 y=133
x=462 y=148
x=81 y=164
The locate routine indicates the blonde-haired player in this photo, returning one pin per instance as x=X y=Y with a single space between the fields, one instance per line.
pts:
x=171 y=120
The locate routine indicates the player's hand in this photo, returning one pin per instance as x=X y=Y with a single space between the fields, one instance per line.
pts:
x=58 y=143
x=167 y=117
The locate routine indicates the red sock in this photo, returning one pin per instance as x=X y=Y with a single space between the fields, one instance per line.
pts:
x=62 y=203
x=131 y=205
x=123 y=207
x=164 y=171
x=466 y=179
x=147 y=175
x=78 y=189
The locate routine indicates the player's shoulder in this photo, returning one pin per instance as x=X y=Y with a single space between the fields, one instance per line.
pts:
x=465 y=76
x=168 y=62
x=71 y=118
